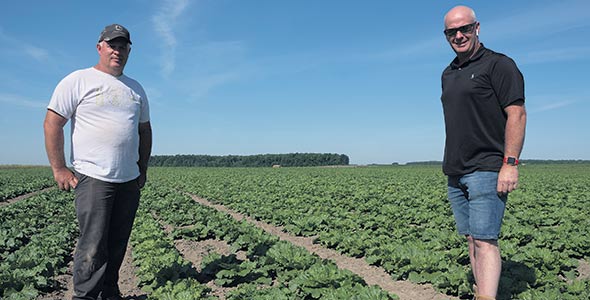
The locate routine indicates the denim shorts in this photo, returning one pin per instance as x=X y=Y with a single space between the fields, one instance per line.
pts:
x=476 y=204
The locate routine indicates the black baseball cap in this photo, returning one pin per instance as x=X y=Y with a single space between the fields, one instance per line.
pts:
x=114 y=31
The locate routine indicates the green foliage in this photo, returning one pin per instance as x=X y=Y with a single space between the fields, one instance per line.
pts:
x=154 y=253
x=255 y=292
x=399 y=218
x=359 y=292
x=27 y=292
x=272 y=268
x=16 y=181
x=287 y=257
x=36 y=239
x=321 y=280
x=260 y=160
x=181 y=289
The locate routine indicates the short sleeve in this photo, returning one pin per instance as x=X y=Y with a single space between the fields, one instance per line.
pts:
x=65 y=97
x=507 y=81
x=145 y=110
x=144 y=113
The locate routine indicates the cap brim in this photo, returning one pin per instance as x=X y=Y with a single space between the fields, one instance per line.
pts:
x=115 y=37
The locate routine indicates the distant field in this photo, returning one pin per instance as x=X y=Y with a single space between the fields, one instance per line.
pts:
x=394 y=217
x=19 y=180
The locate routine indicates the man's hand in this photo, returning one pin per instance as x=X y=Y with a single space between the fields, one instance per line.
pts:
x=507 y=179
x=515 y=129
x=65 y=179
x=141 y=180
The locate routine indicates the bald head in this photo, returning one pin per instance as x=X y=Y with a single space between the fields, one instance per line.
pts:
x=459 y=14
x=461 y=31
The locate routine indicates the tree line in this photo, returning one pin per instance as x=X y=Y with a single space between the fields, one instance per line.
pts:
x=259 y=160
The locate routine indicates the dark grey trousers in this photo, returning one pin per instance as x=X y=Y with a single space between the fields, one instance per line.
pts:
x=105 y=213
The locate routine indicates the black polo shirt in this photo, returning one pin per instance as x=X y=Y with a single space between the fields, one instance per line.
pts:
x=474 y=96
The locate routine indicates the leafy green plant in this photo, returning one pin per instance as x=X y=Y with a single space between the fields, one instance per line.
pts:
x=182 y=289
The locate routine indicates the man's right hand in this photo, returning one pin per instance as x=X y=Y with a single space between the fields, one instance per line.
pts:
x=65 y=179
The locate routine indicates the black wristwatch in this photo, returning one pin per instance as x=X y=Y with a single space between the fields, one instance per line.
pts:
x=513 y=161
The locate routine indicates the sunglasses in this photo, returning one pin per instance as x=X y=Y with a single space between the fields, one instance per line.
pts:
x=117 y=46
x=463 y=29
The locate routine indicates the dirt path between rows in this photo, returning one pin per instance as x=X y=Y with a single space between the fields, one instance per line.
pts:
x=127 y=282
x=24 y=196
x=371 y=274
x=196 y=250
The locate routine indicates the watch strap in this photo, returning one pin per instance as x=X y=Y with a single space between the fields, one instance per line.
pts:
x=513 y=161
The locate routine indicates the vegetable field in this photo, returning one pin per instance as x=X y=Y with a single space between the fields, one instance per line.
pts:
x=17 y=181
x=395 y=218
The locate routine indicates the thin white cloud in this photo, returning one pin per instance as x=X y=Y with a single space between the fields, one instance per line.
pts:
x=163 y=22
x=17 y=100
x=544 y=20
x=433 y=45
x=215 y=71
x=555 y=55
x=36 y=53
x=550 y=103
x=553 y=106
x=536 y=24
x=221 y=50
x=210 y=57
x=154 y=95
x=202 y=86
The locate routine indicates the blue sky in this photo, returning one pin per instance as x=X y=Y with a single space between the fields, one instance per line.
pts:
x=360 y=78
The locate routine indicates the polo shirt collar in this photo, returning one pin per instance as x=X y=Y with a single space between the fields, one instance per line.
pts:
x=455 y=63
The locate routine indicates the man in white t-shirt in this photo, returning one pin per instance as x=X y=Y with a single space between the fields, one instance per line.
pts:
x=111 y=145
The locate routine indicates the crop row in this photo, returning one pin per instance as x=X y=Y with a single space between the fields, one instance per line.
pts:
x=161 y=270
x=36 y=240
x=398 y=218
x=37 y=237
x=16 y=181
x=271 y=269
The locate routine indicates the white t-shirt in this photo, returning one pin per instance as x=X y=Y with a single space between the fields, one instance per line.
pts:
x=105 y=113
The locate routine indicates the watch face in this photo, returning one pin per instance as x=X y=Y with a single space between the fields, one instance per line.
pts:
x=511 y=161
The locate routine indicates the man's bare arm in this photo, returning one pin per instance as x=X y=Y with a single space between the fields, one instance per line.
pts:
x=54 y=145
x=514 y=140
x=145 y=150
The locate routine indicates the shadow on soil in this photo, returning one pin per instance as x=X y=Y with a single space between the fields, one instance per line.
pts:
x=516 y=278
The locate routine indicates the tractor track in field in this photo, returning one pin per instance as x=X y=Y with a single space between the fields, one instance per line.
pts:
x=371 y=274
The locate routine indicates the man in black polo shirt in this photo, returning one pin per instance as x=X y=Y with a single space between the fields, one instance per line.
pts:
x=485 y=118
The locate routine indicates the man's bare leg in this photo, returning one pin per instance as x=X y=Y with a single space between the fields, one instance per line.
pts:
x=487 y=267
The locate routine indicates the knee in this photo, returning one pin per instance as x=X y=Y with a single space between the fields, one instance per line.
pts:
x=485 y=245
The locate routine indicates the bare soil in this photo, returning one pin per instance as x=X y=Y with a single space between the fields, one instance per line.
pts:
x=21 y=197
x=371 y=274
x=127 y=282
x=194 y=251
x=583 y=269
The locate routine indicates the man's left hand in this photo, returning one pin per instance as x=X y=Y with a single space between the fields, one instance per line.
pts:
x=507 y=179
x=141 y=180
